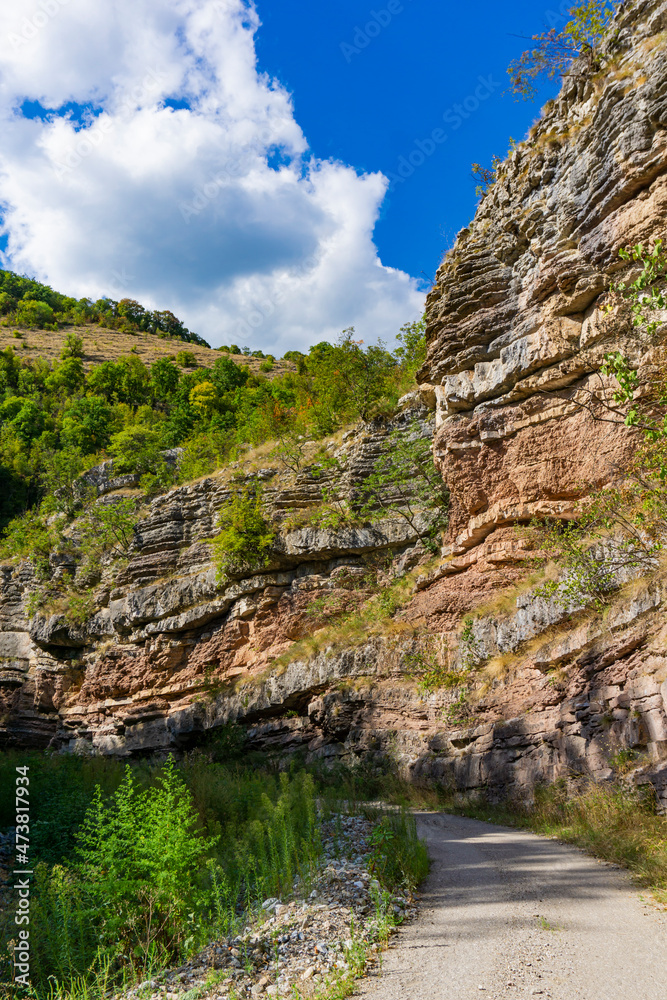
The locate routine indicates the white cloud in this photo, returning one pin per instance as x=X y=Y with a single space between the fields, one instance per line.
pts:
x=214 y=209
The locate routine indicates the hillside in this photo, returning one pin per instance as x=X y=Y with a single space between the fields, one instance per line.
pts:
x=102 y=344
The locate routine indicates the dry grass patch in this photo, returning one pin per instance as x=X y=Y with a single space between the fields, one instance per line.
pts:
x=102 y=344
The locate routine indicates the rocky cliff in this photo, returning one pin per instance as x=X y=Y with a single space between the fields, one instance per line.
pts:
x=465 y=680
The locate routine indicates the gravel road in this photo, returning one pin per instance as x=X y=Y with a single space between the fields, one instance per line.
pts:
x=506 y=914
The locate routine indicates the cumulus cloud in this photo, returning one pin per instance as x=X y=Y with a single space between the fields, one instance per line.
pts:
x=145 y=155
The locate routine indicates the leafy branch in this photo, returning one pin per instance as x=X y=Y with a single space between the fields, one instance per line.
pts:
x=554 y=52
x=405 y=483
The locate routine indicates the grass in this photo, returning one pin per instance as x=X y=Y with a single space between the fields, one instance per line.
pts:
x=226 y=837
x=611 y=821
x=102 y=344
x=377 y=616
x=254 y=831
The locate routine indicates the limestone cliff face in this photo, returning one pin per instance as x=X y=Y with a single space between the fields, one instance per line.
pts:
x=515 y=331
x=144 y=672
x=514 y=319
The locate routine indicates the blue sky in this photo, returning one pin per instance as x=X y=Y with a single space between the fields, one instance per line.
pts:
x=368 y=107
x=272 y=174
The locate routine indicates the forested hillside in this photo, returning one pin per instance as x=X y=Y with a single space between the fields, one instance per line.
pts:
x=59 y=416
x=26 y=302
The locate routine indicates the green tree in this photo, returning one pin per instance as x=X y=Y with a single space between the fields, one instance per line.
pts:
x=135 y=381
x=88 y=424
x=202 y=454
x=132 y=310
x=68 y=376
x=108 y=526
x=554 y=52
x=29 y=421
x=165 y=376
x=227 y=376
x=7 y=303
x=245 y=538
x=136 y=449
x=405 y=483
x=72 y=346
x=105 y=380
x=29 y=536
x=203 y=399
x=411 y=352
x=59 y=470
x=33 y=313
x=186 y=359
x=125 y=381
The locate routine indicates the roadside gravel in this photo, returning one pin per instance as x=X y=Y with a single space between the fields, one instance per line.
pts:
x=299 y=941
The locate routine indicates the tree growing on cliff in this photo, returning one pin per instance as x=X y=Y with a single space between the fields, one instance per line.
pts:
x=620 y=530
x=245 y=538
x=553 y=52
x=405 y=483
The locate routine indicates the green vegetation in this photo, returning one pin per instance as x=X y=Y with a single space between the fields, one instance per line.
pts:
x=399 y=858
x=610 y=822
x=58 y=420
x=553 y=52
x=25 y=302
x=140 y=866
x=406 y=483
x=246 y=538
x=620 y=528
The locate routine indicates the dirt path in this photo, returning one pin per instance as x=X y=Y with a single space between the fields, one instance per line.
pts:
x=506 y=914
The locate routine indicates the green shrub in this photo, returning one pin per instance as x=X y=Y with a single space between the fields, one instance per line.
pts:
x=202 y=454
x=245 y=538
x=399 y=858
x=165 y=860
x=72 y=346
x=33 y=313
x=88 y=424
x=141 y=854
x=186 y=359
x=30 y=537
x=7 y=303
x=108 y=526
x=136 y=449
x=405 y=483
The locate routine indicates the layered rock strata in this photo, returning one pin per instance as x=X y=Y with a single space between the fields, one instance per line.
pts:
x=517 y=327
x=517 y=330
x=166 y=632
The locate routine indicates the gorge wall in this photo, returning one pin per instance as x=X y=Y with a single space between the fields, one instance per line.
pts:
x=516 y=334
